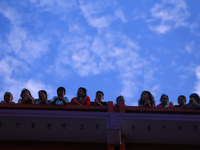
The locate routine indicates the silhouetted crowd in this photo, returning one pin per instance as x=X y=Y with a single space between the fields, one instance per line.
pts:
x=146 y=99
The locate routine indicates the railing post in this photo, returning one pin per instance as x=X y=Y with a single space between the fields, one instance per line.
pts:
x=110 y=106
x=121 y=107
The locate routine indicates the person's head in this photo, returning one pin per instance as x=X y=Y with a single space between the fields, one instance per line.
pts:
x=61 y=91
x=164 y=99
x=120 y=99
x=42 y=94
x=195 y=96
x=181 y=100
x=82 y=92
x=99 y=95
x=25 y=93
x=8 y=97
x=146 y=95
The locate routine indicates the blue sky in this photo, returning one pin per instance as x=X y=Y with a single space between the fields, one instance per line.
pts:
x=119 y=47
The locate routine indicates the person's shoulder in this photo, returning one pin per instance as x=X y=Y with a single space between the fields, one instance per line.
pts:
x=54 y=97
x=189 y=105
x=74 y=98
x=66 y=99
x=159 y=105
x=3 y=102
x=87 y=100
x=87 y=97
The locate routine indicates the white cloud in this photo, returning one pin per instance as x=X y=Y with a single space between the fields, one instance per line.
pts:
x=56 y=7
x=13 y=79
x=101 y=22
x=172 y=14
x=105 y=52
x=120 y=15
x=195 y=25
x=183 y=78
x=11 y=68
x=34 y=49
x=10 y=65
x=17 y=34
x=96 y=16
x=9 y=13
x=138 y=14
x=84 y=53
x=155 y=88
x=21 y=50
x=193 y=28
x=160 y=29
x=76 y=28
x=189 y=46
x=35 y=86
x=129 y=88
x=93 y=19
x=91 y=7
x=16 y=38
x=5 y=67
x=26 y=46
x=74 y=52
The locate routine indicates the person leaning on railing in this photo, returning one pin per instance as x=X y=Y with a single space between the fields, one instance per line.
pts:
x=26 y=97
x=119 y=99
x=181 y=101
x=194 y=101
x=164 y=99
x=42 y=94
x=98 y=99
x=146 y=100
x=8 y=97
x=82 y=98
x=60 y=99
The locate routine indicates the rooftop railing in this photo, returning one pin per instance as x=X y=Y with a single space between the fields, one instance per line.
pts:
x=121 y=108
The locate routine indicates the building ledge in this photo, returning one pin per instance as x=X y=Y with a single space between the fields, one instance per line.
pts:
x=96 y=124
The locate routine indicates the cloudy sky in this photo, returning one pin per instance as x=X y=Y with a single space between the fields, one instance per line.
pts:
x=119 y=47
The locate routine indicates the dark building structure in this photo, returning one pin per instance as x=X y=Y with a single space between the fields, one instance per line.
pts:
x=120 y=127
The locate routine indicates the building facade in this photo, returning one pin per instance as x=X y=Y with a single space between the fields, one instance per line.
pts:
x=120 y=127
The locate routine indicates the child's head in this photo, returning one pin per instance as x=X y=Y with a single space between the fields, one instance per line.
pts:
x=164 y=99
x=42 y=94
x=99 y=95
x=181 y=100
x=146 y=95
x=8 y=97
x=82 y=92
x=119 y=99
x=195 y=96
x=25 y=93
x=61 y=91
